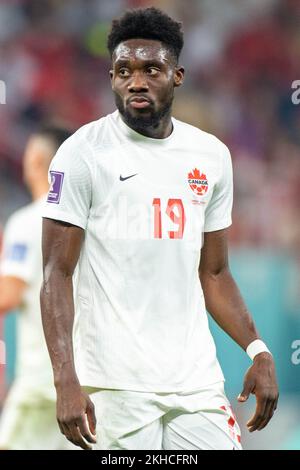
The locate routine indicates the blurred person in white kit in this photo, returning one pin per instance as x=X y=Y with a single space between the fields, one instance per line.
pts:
x=28 y=419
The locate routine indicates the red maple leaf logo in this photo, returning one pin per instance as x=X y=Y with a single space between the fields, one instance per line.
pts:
x=198 y=182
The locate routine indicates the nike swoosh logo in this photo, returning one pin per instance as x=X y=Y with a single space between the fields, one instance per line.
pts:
x=127 y=177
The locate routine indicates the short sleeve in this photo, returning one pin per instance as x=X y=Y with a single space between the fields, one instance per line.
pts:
x=70 y=179
x=218 y=211
x=19 y=253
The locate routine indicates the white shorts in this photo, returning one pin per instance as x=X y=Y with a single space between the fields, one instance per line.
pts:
x=132 y=420
x=27 y=424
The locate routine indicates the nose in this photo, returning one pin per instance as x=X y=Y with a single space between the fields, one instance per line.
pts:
x=138 y=83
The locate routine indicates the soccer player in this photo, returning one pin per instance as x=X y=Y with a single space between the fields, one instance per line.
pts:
x=143 y=201
x=28 y=420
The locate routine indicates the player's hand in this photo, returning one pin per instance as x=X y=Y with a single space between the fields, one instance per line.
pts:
x=76 y=415
x=260 y=380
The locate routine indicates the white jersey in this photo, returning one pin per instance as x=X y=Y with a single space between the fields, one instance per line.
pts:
x=144 y=203
x=22 y=258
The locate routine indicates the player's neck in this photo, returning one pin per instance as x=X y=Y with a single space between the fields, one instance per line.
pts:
x=39 y=190
x=162 y=131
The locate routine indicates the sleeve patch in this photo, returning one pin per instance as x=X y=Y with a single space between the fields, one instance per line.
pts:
x=17 y=252
x=57 y=178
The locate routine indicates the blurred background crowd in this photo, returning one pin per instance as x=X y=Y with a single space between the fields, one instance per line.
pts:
x=241 y=58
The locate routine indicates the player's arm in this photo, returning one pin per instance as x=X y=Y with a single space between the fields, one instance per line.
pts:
x=61 y=246
x=225 y=304
x=17 y=268
x=11 y=293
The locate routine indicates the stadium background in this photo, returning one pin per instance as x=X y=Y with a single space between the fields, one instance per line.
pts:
x=241 y=57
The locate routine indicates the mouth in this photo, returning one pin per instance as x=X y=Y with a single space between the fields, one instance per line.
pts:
x=139 y=102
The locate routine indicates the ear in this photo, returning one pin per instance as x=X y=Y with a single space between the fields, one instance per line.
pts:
x=111 y=76
x=178 y=76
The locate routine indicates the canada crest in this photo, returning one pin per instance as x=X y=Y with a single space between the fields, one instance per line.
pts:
x=198 y=182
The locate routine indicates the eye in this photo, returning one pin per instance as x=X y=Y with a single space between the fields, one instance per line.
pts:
x=153 y=71
x=124 y=73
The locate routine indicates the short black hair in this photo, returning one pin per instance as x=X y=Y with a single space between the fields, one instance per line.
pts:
x=147 y=23
x=56 y=134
